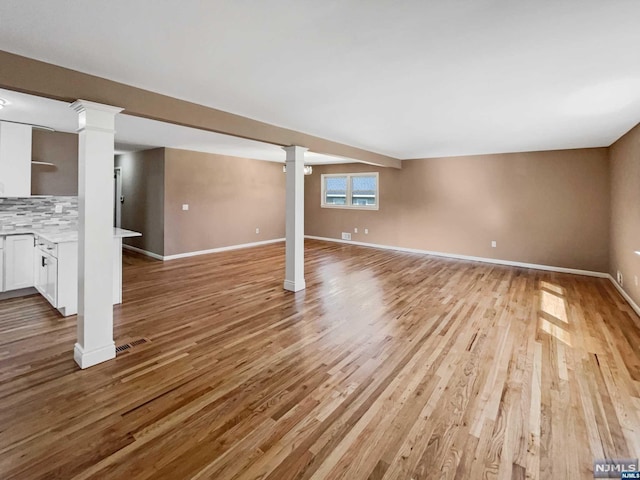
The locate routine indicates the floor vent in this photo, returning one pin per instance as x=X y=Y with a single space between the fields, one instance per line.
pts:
x=127 y=346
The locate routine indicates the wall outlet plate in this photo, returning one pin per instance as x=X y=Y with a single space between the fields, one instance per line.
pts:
x=355 y=230
x=185 y=206
x=257 y=230
x=346 y=236
x=494 y=244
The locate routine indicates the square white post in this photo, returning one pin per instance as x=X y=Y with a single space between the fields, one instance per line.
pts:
x=95 y=232
x=294 y=261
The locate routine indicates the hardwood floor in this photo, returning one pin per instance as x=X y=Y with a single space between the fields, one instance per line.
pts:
x=388 y=366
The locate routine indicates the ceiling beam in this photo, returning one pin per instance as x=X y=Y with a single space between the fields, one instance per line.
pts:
x=34 y=77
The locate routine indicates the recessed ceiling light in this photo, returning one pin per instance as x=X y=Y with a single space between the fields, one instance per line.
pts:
x=4 y=103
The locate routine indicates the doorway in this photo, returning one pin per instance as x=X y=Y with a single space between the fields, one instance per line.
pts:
x=117 y=196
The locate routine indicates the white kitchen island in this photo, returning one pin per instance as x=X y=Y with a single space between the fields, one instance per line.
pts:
x=55 y=264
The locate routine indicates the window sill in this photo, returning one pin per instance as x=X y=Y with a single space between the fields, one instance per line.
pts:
x=351 y=207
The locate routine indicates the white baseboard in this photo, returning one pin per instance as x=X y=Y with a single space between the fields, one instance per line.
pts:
x=86 y=359
x=143 y=252
x=222 y=249
x=468 y=257
x=201 y=252
x=292 y=286
x=626 y=296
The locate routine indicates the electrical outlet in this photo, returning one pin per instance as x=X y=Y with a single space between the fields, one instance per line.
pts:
x=494 y=244
x=355 y=230
x=346 y=236
x=366 y=231
x=257 y=231
x=619 y=277
x=58 y=208
x=185 y=206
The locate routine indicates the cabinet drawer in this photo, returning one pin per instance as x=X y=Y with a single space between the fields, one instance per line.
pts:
x=47 y=247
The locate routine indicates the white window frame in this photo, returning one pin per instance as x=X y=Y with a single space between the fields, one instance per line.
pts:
x=348 y=205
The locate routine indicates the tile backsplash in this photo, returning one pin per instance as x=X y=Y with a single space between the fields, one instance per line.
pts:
x=38 y=212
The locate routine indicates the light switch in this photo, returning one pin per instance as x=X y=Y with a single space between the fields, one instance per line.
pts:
x=185 y=206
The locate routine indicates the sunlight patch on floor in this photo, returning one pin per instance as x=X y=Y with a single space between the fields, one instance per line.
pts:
x=554 y=305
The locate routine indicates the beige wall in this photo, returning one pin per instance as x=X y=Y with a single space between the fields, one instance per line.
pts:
x=143 y=191
x=625 y=210
x=549 y=208
x=58 y=148
x=228 y=199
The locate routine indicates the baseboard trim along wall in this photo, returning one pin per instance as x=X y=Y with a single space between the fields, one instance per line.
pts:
x=142 y=252
x=201 y=252
x=629 y=300
x=467 y=257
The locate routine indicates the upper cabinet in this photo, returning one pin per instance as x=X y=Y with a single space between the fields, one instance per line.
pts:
x=37 y=162
x=15 y=159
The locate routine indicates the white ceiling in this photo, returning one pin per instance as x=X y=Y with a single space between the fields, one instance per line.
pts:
x=134 y=133
x=408 y=79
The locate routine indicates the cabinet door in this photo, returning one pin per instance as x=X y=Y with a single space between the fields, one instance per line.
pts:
x=18 y=259
x=1 y=270
x=40 y=271
x=46 y=276
x=51 y=288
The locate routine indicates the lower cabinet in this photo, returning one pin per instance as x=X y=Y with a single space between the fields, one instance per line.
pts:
x=1 y=264
x=18 y=262
x=56 y=274
x=52 y=268
x=46 y=276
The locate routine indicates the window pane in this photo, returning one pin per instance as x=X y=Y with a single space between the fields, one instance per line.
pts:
x=335 y=192
x=363 y=190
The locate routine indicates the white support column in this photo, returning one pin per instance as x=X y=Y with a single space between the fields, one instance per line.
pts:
x=95 y=233
x=294 y=262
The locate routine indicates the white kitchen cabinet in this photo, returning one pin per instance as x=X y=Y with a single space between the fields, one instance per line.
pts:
x=40 y=272
x=18 y=262
x=51 y=265
x=56 y=274
x=46 y=276
x=1 y=264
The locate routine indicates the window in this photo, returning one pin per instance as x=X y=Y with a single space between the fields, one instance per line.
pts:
x=353 y=190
